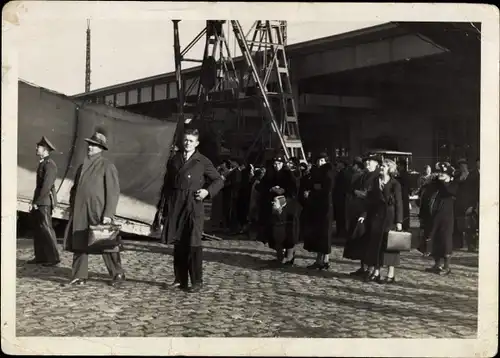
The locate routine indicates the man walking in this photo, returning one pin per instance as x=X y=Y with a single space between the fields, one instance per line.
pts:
x=44 y=201
x=93 y=201
x=191 y=177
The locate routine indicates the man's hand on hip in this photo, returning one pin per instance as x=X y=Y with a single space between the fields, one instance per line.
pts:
x=201 y=194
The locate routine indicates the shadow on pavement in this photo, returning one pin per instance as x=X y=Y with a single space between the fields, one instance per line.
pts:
x=55 y=274
x=61 y=275
x=389 y=309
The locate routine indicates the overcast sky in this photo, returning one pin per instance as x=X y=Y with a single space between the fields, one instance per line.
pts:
x=52 y=46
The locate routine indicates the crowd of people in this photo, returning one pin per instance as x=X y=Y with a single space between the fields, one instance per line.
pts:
x=290 y=201
x=281 y=204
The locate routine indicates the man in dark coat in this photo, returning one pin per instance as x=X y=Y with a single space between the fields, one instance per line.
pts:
x=355 y=246
x=320 y=212
x=439 y=206
x=278 y=227
x=191 y=177
x=93 y=201
x=44 y=201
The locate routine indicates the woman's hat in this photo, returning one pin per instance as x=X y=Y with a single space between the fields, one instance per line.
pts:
x=322 y=155
x=99 y=139
x=373 y=157
x=46 y=143
x=279 y=159
x=358 y=161
x=445 y=168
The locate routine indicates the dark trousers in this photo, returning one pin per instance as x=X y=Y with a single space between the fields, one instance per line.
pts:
x=112 y=261
x=188 y=264
x=44 y=238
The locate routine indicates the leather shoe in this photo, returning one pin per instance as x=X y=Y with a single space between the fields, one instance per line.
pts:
x=359 y=272
x=117 y=280
x=195 y=288
x=50 y=264
x=75 y=282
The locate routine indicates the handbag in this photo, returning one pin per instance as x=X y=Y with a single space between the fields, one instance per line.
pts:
x=399 y=241
x=359 y=230
x=103 y=237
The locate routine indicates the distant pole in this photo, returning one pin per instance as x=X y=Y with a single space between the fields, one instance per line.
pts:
x=87 y=59
x=178 y=74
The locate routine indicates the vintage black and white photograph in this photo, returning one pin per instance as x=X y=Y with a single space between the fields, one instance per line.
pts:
x=182 y=176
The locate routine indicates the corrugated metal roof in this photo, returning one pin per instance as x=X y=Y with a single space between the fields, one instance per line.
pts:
x=364 y=35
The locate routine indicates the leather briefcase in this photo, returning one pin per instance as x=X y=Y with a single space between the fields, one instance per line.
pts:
x=103 y=237
x=399 y=241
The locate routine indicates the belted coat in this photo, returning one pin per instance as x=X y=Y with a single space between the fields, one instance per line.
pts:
x=45 y=191
x=94 y=195
x=184 y=215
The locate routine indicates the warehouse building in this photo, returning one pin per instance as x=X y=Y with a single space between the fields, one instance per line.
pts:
x=410 y=87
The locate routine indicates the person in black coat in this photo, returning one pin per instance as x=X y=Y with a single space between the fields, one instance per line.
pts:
x=356 y=242
x=384 y=212
x=44 y=201
x=190 y=178
x=339 y=198
x=439 y=208
x=318 y=194
x=404 y=180
x=278 y=219
x=305 y=200
x=353 y=203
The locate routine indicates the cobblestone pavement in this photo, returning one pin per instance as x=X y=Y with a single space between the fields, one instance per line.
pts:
x=245 y=296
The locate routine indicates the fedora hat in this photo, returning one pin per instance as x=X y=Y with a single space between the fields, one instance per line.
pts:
x=99 y=139
x=46 y=143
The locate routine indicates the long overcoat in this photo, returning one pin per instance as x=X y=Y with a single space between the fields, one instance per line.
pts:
x=437 y=212
x=94 y=195
x=355 y=247
x=305 y=203
x=184 y=215
x=320 y=210
x=384 y=211
x=278 y=231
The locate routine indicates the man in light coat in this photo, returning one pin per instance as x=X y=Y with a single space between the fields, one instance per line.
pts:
x=93 y=201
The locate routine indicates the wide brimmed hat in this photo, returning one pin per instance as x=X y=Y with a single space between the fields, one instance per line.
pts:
x=46 y=143
x=445 y=168
x=462 y=161
x=99 y=139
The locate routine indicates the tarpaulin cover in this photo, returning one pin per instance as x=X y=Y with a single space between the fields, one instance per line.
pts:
x=139 y=146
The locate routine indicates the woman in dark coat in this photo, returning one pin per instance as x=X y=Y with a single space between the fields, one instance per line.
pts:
x=277 y=227
x=384 y=212
x=339 y=197
x=356 y=244
x=320 y=212
x=439 y=208
x=304 y=201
